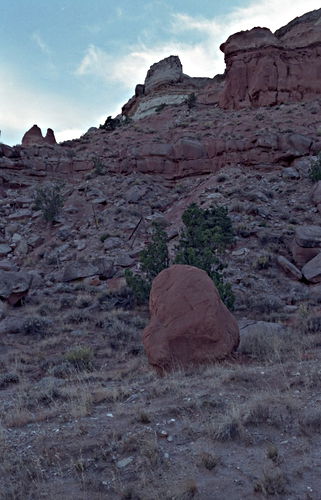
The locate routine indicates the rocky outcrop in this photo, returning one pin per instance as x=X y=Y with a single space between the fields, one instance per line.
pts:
x=33 y=137
x=312 y=269
x=14 y=286
x=189 y=322
x=50 y=137
x=165 y=85
x=167 y=71
x=265 y=69
x=306 y=244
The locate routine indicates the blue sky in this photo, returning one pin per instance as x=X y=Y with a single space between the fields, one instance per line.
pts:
x=67 y=64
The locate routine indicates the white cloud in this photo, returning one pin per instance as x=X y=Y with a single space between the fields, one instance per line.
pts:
x=202 y=58
x=40 y=43
x=22 y=107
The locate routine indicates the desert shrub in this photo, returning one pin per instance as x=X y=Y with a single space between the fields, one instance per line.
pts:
x=206 y=235
x=99 y=167
x=191 y=100
x=80 y=357
x=160 y=107
x=35 y=325
x=153 y=259
x=315 y=169
x=273 y=482
x=49 y=200
x=263 y=262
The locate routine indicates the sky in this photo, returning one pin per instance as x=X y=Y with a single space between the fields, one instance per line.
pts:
x=68 y=64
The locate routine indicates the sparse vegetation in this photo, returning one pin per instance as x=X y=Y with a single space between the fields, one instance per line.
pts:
x=153 y=259
x=49 y=199
x=206 y=235
x=80 y=357
x=315 y=169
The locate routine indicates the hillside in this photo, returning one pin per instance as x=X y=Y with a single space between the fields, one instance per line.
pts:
x=82 y=413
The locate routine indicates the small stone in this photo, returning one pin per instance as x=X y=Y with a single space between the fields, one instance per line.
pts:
x=124 y=260
x=111 y=243
x=4 y=249
x=240 y=251
x=124 y=462
x=289 y=268
x=16 y=238
x=21 y=214
x=290 y=173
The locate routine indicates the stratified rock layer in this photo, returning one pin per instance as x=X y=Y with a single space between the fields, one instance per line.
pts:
x=189 y=322
x=265 y=69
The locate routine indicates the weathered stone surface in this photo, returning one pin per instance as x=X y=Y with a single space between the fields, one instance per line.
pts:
x=2 y=310
x=263 y=69
x=312 y=269
x=34 y=137
x=111 y=243
x=316 y=193
x=79 y=269
x=308 y=236
x=101 y=266
x=301 y=255
x=306 y=244
x=189 y=323
x=289 y=268
x=168 y=70
x=260 y=337
x=50 y=137
x=14 y=285
x=12 y=324
x=4 y=249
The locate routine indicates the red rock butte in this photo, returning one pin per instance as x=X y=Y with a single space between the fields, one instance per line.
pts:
x=34 y=137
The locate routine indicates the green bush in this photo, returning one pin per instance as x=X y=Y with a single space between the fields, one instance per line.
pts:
x=206 y=235
x=191 y=100
x=49 y=200
x=80 y=357
x=315 y=169
x=154 y=258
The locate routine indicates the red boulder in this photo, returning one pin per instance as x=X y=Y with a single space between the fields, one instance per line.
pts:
x=189 y=323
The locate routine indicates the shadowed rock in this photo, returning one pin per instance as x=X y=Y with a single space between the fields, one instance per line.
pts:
x=189 y=322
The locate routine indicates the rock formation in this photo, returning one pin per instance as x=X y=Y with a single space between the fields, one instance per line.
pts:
x=189 y=322
x=265 y=69
x=165 y=72
x=34 y=137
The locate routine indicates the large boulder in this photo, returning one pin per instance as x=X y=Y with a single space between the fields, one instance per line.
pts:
x=189 y=322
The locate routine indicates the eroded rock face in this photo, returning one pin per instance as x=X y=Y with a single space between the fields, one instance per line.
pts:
x=189 y=322
x=265 y=69
x=306 y=244
x=50 y=137
x=167 y=71
x=14 y=286
x=33 y=137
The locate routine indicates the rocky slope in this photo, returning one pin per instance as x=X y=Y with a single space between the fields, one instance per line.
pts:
x=245 y=140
